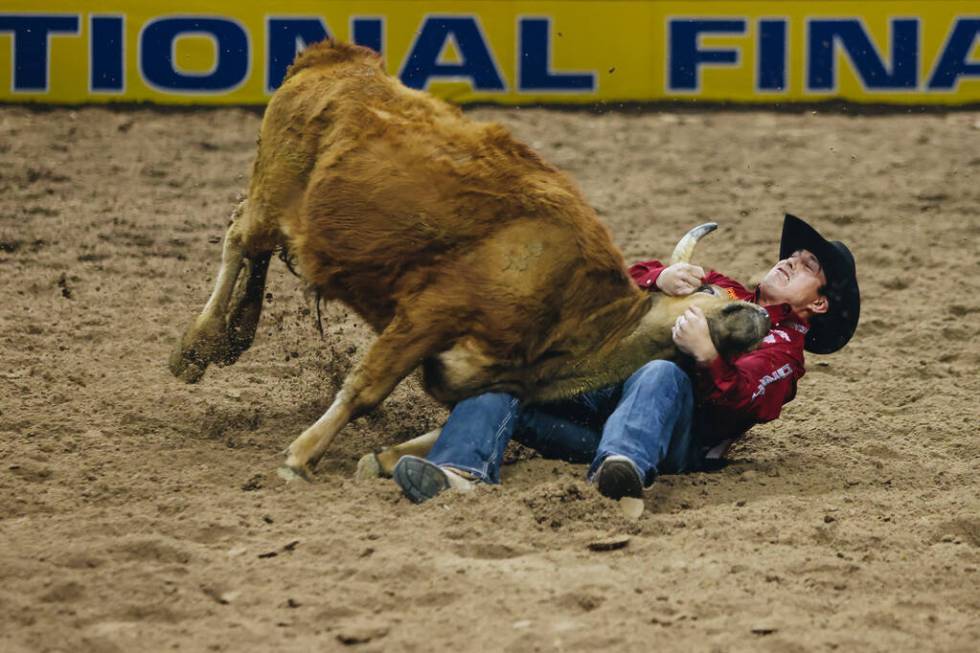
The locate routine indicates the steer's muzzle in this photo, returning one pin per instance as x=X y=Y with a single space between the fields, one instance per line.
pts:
x=738 y=327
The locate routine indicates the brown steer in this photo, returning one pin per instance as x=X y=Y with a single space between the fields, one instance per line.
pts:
x=464 y=250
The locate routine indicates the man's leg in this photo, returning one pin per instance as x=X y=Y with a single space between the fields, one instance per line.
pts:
x=476 y=434
x=567 y=430
x=648 y=432
x=472 y=442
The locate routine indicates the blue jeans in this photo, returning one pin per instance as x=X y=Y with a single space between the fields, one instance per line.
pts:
x=646 y=418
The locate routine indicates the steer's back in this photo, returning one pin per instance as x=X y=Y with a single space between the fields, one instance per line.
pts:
x=388 y=190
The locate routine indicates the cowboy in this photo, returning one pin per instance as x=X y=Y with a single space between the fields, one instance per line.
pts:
x=663 y=419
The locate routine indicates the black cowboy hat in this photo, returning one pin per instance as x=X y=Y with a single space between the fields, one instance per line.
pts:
x=831 y=330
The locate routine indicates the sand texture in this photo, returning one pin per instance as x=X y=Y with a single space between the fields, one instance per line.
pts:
x=141 y=514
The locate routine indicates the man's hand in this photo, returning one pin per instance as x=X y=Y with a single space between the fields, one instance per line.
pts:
x=691 y=335
x=680 y=279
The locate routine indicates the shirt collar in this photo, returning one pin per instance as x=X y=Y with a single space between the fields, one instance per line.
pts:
x=780 y=313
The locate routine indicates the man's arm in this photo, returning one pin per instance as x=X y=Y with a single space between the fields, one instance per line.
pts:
x=756 y=384
x=645 y=274
x=677 y=279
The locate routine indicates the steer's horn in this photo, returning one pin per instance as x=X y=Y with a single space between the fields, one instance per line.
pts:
x=685 y=248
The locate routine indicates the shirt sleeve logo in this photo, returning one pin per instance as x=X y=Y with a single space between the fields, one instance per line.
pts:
x=781 y=373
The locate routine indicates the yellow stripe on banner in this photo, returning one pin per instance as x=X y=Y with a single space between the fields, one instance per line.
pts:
x=231 y=52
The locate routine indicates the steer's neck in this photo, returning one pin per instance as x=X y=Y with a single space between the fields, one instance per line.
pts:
x=618 y=356
x=649 y=340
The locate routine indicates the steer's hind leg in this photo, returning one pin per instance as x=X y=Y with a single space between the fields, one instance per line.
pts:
x=397 y=351
x=208 y=339
x=246 y=307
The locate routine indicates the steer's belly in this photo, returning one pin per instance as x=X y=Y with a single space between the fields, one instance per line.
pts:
x=466 y=370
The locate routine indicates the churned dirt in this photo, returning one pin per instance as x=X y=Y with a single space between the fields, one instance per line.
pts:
x=141 y=514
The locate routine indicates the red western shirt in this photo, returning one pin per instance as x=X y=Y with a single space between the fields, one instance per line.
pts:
x=734 y=395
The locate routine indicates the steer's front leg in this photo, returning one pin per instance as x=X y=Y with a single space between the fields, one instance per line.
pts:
x=396 y=352
x=382 y=463
x=307 y=449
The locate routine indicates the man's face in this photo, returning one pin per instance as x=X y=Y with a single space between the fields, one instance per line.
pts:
x=796 y=281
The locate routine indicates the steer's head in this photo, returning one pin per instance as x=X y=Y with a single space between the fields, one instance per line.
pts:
x=735 y=326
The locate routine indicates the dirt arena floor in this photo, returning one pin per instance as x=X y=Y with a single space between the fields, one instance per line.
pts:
x=141 y=514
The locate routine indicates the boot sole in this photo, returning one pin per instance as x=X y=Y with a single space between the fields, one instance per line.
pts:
x=419 y=479
x=617 y=479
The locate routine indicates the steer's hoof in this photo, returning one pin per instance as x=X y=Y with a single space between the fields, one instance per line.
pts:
x=369 y=467
x=202 y=344
x=187 y=372
x=185 y=365
x=293 y=474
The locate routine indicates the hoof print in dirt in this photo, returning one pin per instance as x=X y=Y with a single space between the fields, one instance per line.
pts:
x=609 y=543
x=352 y=636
